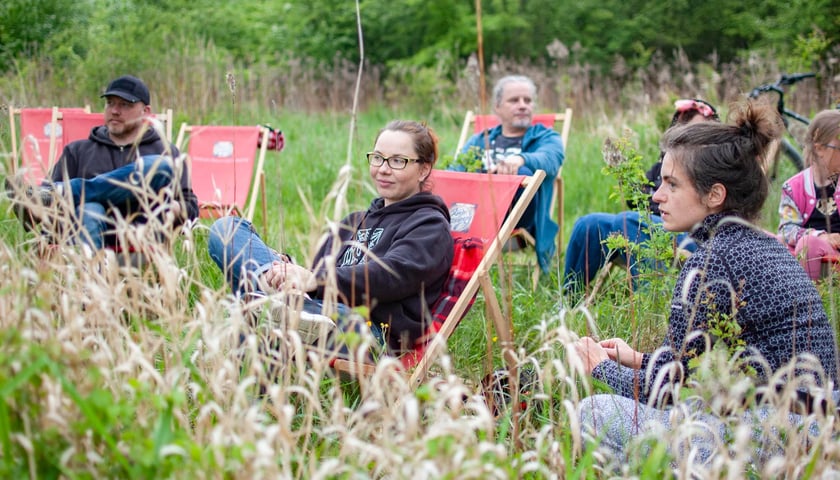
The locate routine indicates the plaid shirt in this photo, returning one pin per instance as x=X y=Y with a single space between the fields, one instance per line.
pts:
x=467 y=256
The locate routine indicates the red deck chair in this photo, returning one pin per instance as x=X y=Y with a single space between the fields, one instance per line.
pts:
x=479 y=123
x=77 y=125
x=41 y=140
x=226 y=164
x=483 y=217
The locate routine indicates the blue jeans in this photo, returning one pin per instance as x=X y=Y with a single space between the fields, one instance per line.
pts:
x=586 y=254
x=93 y=197
x=243 y=256
x=528 y=220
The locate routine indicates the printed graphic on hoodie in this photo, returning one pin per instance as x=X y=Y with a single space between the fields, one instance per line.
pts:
x=367 y=237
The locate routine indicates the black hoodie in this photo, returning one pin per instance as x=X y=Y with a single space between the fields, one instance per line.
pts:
x=99 y=154
x=395 y=260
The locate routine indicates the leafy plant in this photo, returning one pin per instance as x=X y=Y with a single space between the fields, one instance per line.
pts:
x=627 y=165
x=468 y=161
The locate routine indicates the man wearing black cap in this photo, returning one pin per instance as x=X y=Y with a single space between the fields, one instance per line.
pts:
x=123 y=170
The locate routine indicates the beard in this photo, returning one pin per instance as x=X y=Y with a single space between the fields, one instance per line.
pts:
x=125 y=130
x=524 y=123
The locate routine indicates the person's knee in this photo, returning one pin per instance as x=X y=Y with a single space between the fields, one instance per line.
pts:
x=223 y=231
x=591 y=410
x=592 y=222
x=811 y=246
x=158 y=170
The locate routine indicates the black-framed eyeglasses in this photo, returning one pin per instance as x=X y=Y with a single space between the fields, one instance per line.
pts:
x=396 y=162
x=833 y=147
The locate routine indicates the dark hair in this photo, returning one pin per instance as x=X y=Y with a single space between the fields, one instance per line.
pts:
x=424 y=138
x=685 y=116
x=824 y=128
x=731 y=155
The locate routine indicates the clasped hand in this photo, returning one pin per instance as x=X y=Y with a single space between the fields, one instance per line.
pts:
x=289 y=277
x=592 y=353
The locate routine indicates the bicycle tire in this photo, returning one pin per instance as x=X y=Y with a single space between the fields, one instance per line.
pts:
x=792 y=154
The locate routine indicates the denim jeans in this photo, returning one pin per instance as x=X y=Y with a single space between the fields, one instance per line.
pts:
x=92 y=197
x=243 y=256
x=528 y=219
x=586 y=253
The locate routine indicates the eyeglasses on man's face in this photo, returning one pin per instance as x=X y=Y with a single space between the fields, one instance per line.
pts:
x=396 y=162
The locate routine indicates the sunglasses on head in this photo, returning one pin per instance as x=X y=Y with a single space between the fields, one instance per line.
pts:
x=700 y=107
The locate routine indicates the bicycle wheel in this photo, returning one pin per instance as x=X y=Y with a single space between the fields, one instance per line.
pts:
x=792 y=154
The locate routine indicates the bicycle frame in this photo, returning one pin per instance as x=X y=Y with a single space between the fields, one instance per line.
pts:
x=786 y=147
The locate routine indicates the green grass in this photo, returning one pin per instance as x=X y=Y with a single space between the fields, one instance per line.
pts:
x=137 y=375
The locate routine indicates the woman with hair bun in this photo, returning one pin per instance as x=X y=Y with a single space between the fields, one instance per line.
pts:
x=714 y=186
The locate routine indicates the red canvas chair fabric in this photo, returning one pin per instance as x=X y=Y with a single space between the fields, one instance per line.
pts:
x=40 y=141
x=226 y=166
x=483 y=215
x=77 y=125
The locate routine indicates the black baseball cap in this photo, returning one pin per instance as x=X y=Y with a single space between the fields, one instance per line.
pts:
x=129 y=88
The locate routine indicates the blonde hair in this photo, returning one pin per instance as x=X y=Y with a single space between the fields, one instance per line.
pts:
x=824 y=128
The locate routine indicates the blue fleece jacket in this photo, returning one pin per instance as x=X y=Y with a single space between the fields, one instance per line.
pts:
x=542 y=148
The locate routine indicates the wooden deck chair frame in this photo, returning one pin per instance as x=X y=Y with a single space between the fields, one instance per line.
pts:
x=477 y=123
x=166 y=118
x=479 y=280
x=257 y=184
x=19 y=152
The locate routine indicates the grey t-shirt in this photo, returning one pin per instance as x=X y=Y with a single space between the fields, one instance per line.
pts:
x=501 y=148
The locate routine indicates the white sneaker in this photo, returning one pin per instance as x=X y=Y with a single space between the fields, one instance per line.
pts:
x=311 y=327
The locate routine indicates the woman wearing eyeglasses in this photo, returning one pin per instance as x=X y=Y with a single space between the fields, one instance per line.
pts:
x=585 y=252
x=809 y=223
x=392 y=258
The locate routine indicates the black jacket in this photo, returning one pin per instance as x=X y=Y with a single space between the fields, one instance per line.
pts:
x=395 y=260
x=98 y=155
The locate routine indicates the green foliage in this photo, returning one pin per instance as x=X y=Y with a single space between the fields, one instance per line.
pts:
x=624 y=162
x=724 y=329
x=626 y=165
x=414 y=33
x=26 y=25
x=468 y=161
x=106 y=433
x=808 y=50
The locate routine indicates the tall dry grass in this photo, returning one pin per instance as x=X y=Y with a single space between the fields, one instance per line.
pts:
x=113 y=371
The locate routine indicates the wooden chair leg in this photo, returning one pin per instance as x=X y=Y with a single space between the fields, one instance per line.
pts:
x=560 y=207
x=264 y=205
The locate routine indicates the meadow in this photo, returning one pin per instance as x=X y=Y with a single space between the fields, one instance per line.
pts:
x=109 y=372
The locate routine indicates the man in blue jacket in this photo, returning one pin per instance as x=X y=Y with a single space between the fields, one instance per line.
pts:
x=516 y=147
